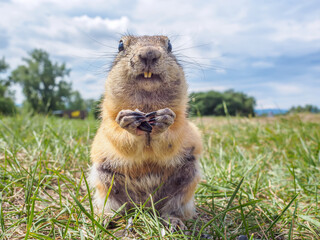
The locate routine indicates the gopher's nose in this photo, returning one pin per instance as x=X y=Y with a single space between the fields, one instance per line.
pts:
x=149 y=56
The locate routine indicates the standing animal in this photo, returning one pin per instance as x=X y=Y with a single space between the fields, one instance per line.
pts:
x=145 y=140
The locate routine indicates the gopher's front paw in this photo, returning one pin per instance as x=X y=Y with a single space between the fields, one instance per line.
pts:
x=131 y=120
x=162 y=119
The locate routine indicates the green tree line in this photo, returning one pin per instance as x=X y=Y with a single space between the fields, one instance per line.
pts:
x=221 y=103
x=46 y=89
x=6 y=96
x=44 y=86
x=307 y=108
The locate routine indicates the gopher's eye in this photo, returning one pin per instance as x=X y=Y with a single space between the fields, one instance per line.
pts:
x=169 y=46
x=120 y=47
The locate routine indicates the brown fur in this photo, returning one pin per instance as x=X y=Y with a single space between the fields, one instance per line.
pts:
x=167 y=166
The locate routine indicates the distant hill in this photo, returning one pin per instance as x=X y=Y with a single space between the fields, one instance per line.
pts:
x=273 y=111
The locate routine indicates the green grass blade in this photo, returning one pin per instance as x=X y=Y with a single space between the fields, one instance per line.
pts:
x=91 y=217
x=311 y=220
x=282 y=212
x=89 y=196
x=243 y=216
x=292 y=221
x=232 y=198
x=1 y=215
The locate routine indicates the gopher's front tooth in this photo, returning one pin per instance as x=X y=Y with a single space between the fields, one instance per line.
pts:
x=145 y=74
x=149 y=74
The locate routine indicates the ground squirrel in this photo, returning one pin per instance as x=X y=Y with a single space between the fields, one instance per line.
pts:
x=144 y=139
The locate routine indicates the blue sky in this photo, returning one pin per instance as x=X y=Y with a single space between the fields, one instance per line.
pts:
x=266 y=49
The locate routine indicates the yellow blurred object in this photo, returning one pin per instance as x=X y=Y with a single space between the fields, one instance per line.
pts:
x=75 y=114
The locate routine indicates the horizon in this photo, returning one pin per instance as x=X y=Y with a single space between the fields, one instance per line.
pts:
x=270 y=51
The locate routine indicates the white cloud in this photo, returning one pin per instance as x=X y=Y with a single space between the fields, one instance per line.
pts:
x=262 y=64
x=97 y=24
x=88 y=84
x=293 y=88
x=215 y=35
x=268 y=103
x=286 y=89
x=221 y=71
x=297 y=30
x=205 y=86
x=316 y=68
x=64 y=6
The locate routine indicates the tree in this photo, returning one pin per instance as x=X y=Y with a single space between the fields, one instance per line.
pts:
x=43 y=82
x=6 y=96
x=76 y=102
x=217 y=103
x=307 y=108
x=96 y=107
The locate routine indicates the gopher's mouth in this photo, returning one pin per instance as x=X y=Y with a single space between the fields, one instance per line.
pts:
x=149 y=76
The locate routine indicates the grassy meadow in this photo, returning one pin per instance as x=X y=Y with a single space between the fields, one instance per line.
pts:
x=261 y=178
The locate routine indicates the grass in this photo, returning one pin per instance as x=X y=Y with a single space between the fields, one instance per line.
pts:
x=261 y=178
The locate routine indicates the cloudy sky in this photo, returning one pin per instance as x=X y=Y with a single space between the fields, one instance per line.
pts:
x=266 y=49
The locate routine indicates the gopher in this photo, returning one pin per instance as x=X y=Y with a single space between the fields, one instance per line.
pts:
x=145 y=140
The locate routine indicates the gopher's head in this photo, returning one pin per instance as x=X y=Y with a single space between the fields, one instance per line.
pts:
x=147 y=63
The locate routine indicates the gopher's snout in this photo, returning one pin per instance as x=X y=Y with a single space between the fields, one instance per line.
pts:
x=149 y=56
